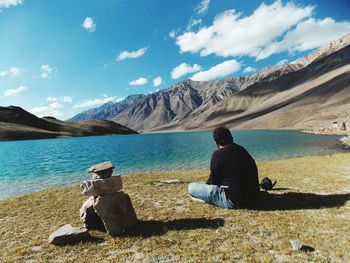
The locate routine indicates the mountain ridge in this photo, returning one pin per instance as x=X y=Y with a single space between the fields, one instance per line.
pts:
x=18 y=124
x=107 y=110
x=191 y=105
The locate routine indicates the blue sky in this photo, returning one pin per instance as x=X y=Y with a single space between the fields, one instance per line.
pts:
x=59 y=58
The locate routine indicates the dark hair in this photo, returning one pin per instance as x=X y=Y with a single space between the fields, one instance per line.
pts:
x=222 y=136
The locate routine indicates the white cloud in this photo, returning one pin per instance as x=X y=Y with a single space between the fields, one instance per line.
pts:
x=157 y=81
x=231 y=34
x=8 y=3
x=307 y=35
x=56 y=105
x=192 y=23
x=65 y=99
x=282 y=62
x=52 y=109
x=14 y=92
x=11 y=72
x=221 y=70
x=249 y=69
x=202 y=7
x=47 y=72
x=45 y=111
x=95 y=102
x=89 y=24
x=184 y=69
x=15 y=72
x=132 y=54
x=138 y=82
x=173 y=33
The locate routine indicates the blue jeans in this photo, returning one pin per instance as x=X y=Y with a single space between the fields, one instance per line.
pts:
x=209 y=193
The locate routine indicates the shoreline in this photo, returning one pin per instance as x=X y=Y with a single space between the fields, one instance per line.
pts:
x=345 y=140
x=183 y=170
x=342 y=145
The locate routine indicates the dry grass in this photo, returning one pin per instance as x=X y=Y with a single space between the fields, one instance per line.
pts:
x=311 y=204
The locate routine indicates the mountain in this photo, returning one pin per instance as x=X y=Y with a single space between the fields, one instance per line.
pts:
x=18 y=124
x=107 y=110
x=310 y=92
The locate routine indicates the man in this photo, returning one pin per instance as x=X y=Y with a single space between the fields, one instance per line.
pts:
x=233 y=181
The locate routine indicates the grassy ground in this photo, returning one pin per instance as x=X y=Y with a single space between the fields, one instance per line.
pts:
x=311 y=203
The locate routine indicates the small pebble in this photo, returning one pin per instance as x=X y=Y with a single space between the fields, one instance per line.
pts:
x=296 y=244
x=171 y=181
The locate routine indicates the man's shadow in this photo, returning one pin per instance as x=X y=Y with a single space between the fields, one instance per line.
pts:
x=298 y=201
x=157 y=227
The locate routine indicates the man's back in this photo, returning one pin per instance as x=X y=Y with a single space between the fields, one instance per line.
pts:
x=233 y=166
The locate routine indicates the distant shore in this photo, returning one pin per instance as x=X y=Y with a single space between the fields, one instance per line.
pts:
x=345 y=139
x=310 y=203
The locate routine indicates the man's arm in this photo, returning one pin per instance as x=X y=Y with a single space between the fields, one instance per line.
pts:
x=215 y=173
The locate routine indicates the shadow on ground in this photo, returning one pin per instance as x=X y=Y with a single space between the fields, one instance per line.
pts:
x=84 y=240
x=156 y=227
x=298 y=201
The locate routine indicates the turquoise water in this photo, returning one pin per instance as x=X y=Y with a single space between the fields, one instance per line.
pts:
x=27 y=166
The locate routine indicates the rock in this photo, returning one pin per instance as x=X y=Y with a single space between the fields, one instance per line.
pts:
x=116 y=212
x=296 y=244
x=112 y=213
x=171 y=181
x=100 y=167
x=68 y=234
x=101 y=186
x=89 y=217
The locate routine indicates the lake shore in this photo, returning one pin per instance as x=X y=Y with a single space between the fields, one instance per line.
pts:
x=310 y=203
x=345 y=140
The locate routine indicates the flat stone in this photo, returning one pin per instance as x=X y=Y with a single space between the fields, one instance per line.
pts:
x=100 y=167
x=68 y=234
x=101 y=186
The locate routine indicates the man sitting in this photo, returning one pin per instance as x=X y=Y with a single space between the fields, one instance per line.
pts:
x=233 y=181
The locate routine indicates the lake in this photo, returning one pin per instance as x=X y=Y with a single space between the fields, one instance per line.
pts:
x=32 y=165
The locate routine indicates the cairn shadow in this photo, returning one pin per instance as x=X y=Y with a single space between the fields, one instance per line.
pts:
x=298 y=201
x=151 y=228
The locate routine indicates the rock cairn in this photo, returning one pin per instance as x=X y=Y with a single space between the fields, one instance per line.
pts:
x=107 y=208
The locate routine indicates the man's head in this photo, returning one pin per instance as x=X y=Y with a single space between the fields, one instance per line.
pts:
x=222 y=136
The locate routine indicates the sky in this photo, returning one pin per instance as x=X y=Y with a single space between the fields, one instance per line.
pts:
x=58 y=58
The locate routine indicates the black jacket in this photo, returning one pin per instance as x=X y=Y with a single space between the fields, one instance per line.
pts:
x=234 y=167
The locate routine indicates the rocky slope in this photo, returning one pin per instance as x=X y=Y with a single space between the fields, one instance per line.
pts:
x=309 y=92
x=107 y=110
x=18 y=124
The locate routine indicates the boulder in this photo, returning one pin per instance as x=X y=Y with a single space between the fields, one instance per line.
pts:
x=116 y=212
x=68 y=234
x=113 y=213
x=90 y=218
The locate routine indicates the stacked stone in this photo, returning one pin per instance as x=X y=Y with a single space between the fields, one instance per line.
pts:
x=107 y=208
